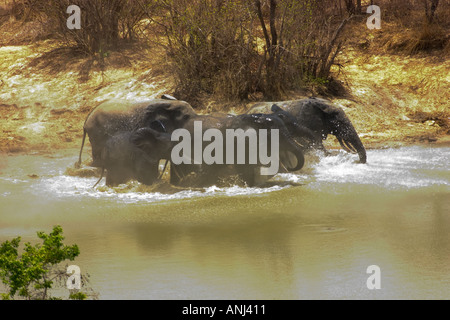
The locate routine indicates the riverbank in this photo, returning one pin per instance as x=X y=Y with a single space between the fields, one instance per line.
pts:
x=46 y=93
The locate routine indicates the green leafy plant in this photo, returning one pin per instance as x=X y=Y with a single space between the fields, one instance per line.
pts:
x=33 y=273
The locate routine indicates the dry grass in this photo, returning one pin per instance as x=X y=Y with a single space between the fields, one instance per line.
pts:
x=413 y=41
x=45 y=94
x=394 y=96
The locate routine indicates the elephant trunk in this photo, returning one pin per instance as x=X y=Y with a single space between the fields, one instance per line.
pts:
x=352 y=143
x=293 y=147
x=356 y=142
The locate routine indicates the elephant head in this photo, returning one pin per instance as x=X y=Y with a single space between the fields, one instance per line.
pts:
x=134 y=155
x=155 y=144
x=316 y=117
x=114 y=116
x=168 y=115
x=338 y=124
x=303 y=134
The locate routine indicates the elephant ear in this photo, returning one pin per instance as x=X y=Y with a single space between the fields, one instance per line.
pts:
x=147 y=139
x=179 y=112
x=327 y=109
x=176 y=112
x=286 y=117
x=158 y=125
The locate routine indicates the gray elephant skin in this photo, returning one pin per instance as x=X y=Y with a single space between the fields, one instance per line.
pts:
x=321 y=118
x=206 y=175
x=112 y=117
x=134 y=155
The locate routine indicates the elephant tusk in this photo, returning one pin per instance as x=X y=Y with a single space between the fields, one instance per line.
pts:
x=343 y=145
x=350 y=146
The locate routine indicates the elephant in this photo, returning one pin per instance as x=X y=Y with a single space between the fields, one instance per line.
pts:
x=305 y=136
x=134 y=155
x=111 y=117
x=321 y=118
x=240 y=164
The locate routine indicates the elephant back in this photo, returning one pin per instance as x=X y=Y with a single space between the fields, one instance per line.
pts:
x=293 y=106
x=117 y=115
x=266 y=107
x=172 y=114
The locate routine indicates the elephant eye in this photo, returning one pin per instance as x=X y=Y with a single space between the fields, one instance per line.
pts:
x=158 y=126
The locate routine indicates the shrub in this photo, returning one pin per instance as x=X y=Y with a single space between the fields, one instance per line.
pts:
x=424 y=24
x=32 y=274
x=236 y=48
x=103 y=23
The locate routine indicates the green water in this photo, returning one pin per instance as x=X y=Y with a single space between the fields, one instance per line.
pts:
x=311 y=236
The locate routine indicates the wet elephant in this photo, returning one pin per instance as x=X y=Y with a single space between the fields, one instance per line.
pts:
x=134 y=155
x=112 y=117
x=321 y=118
x=233 y=130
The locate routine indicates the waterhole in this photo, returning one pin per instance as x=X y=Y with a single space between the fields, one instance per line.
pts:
x=308 y=235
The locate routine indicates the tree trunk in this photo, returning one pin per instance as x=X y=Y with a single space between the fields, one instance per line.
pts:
x=434 y=5
x=430 y=10
x=350 y=6
x=271 y=90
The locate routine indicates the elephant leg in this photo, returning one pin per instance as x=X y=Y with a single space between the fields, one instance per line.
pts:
x=191 y=174
x=176 y=174
x=318 y=145
x=110 y=179
x=98 y=143
x=116 y=176
x=146 y=173
x=96 y=157
x=247 y=174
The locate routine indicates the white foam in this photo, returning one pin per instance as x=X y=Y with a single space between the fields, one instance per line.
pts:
x=405 y=167
x=67 y=186
x=413 y=167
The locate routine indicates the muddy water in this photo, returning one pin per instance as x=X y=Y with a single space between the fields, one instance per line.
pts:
x=310 y=236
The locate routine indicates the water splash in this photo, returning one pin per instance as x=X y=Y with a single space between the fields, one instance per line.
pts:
x=408 y=167
x=133 y=191
x=402 y=168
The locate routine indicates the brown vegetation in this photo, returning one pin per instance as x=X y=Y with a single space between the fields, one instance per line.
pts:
x=222 y=55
